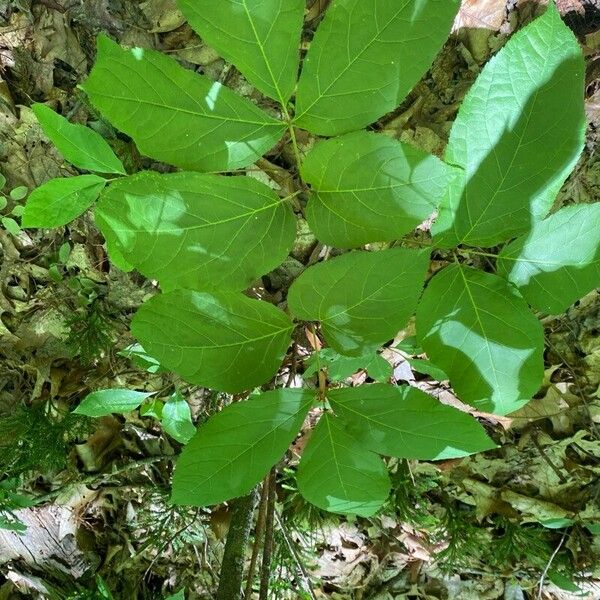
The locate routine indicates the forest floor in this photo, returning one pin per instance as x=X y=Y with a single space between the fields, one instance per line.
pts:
x=94 y=495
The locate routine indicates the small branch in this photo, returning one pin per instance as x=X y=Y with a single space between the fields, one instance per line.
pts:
x=265 y=572
x=99 y=478
x=548 y=565
x=258 y=533
x=303 y=574
x=546 y=458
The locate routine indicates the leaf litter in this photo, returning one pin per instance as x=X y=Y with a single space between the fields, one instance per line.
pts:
x=546 y=470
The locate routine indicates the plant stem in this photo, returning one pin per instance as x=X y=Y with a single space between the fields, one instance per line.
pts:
x=290 y=126
x=265 y=572
x=232 y=567
x=548 y=565
x=294 y=554
x=295 y=145
x=258 y=531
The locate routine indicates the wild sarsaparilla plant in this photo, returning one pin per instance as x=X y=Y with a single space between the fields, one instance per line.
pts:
x=208 y=231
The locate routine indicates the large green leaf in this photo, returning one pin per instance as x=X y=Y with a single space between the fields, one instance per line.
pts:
x=365 y=58
x=220 y=340
x=518 y=135
x=197 y=230
x=361 y=298
x=80 y=145
x=114 y=400
x=176 y=115
x=235 y=448
x=558 y=262
x=61 y=200
x=336 y=473
x=407 y=423
x=480 y=331
x=260 y=38
x=370 y=188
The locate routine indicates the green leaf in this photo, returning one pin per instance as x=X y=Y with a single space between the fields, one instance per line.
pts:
x=260 y=38
x=220 y=340
x=177 y=419
x=379 y=369
x=141 y=358
x=563 y=582
x=518 y=135
x=365 y=58
x=361 y=298
x=12 y=524
x=235 y=448
x=175 y=115
x=336 y=473
x=340 y=367
x=557 y=523
x=153 y=408
x=180 y=595
x=80 y=145
x=593 y=528
x=106 y=402
x=409 y=345
x=196 y=230
x=405 y=422
x=11 y=226
x=428 y=368
x=370 y=188
x=558 y=262
x=480 y=331
x=64 y=252
x=61 y=200
x=19 y=192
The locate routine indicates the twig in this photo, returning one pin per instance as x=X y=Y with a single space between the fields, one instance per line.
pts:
x=98 y=477
x=548 y=565
x=304 y=575
x=546 y=458
x=258 y=532
x=265 y=571
x=592 y=425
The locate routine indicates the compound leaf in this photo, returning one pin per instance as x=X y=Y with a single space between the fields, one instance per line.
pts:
x=518 y=135
x=336 y=473
x=80 y=145
x=220 y=340
x=235 y=448
x=405 y=422
x=480 y=331
x=260 y=38
x=365 y=58
x=558 y=262
x=361 y=298
x=175 y=115
x=59 y=201
x=195 y=230
x=370 y=188
x=106 y=402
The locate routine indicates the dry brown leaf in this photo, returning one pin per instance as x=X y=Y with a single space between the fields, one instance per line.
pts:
x=481 y=14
